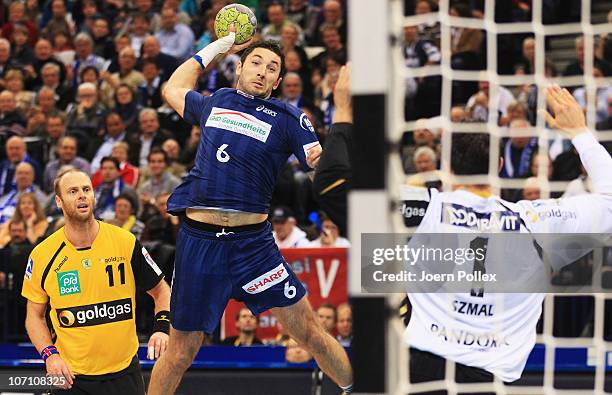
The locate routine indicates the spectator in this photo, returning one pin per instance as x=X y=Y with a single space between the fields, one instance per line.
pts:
x=292 y=91
x=290 y=36
x=84 y=56
x=161 y=226
x=161 y=179
x=326 y=313
x=43 y=55
x=128 y=173
x=126 y=75
x=176 y=39
x=22 y=52
x=305 y=15
x=11 y=120
x=281 y=339
x=151 y=50
x=60 y=21
x=30 y=212
x=15 y=83
x=6 y=61
x=428 y=31
x=332 y=16
x=344 y=324
x=478 y=103
x=149 y=91
x=150 y=136
x=173 y=153
x=208 y=35
x=458 y=114
x=36 y=121
x=90 y=13
x=17 y=16
x=111 y=187
x=67 y=156
x=527 y=64
x=63 y=50
x=101 y=147
x=146 y=7
x=531 y=189
x=602 y=94
x=24 y=182
x=46 y=149
x=330 y=236
x=293 y=64
x=296 y=353
x=50 y=75
x=122 y=42
x=277 y=20
x=125 y=216
x=518 y=151
x=285 y=231
x=466 y=42
x=246 y=323
x=606 y=124
x=84 y=119
x=46 y=100
x=127 y=106
x=540 y=160
x=576 y=67
x=423 y=136
x=333 y=46
x=15 y=153
x=425 y=159
x=103 y=45
x=139 y=30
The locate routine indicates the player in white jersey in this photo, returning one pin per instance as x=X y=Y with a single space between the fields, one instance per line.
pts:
x=493 y=334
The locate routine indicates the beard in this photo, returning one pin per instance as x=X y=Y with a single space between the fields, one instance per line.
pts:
x=72 y=214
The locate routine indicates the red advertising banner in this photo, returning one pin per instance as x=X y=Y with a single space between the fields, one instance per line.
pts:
x=322 y=271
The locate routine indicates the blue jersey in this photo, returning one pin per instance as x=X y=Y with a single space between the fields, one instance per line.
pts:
x=244 y=143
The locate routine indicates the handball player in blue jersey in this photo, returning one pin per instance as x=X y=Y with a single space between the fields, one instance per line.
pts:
x=225 y=247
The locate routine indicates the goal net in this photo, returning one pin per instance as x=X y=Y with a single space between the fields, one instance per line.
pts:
x=449 y=79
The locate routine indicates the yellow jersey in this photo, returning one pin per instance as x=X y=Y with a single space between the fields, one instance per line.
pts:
x=92 y=293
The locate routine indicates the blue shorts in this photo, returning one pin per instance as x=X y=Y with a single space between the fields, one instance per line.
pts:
x=210 y=268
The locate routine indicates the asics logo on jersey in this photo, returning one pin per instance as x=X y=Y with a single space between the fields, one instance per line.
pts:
x=266 y=280
x=95 y=314
x=458 y=215
x=239 y=122
x=266 y=110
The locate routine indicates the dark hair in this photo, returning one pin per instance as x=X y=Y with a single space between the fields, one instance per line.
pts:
x=462 y=9
x=129 y=198
x=149 y=62
x=111 y=159
x=249 y=310
x=89 y=68
x=157 y=150
x=470 y=153
x=328 y=306
x=15 y=221
x=270 y=46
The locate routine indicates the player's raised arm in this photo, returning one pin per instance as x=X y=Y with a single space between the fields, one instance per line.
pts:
x=585 y=213
x=185 y=76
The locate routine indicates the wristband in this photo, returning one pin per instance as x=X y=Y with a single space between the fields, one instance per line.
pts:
x=208 y=53
x=47 y=352
x=162 y=322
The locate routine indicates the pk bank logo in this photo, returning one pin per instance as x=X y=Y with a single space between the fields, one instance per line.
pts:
x=68 y=283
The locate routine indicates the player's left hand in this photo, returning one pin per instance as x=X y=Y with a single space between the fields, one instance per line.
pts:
x=314 y=154
x=158 y=342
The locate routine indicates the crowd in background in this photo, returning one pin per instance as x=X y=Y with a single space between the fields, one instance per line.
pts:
x=80 y=86
x=516 y=106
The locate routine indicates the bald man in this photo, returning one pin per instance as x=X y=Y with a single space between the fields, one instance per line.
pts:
x=16 y=153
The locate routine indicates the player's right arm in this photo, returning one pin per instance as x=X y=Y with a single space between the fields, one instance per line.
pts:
x=185 y=76
x=36 y=326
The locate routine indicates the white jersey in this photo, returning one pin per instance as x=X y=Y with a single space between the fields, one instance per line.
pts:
x=496 y=332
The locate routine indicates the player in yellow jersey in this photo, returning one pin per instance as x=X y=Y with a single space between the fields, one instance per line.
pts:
x=88 y=272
